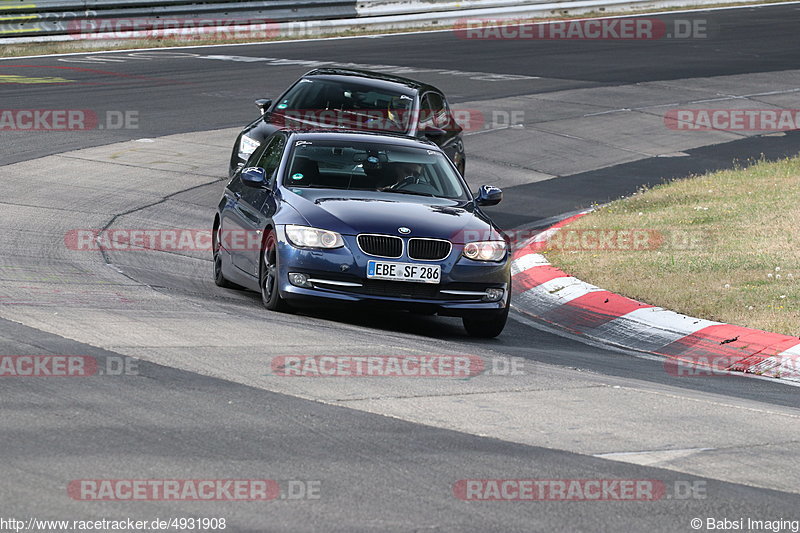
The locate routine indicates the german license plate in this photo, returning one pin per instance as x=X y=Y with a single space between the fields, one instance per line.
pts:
x=404 y=271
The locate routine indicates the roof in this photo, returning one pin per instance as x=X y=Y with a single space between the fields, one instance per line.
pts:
x=400 y=84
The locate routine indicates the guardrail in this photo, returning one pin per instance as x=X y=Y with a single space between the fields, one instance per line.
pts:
x=53 y=17
x=63 y=20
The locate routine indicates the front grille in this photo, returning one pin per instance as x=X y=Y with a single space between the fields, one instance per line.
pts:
x=381 y=245
x=428 y=249
x=400 y=289
x=406 y=289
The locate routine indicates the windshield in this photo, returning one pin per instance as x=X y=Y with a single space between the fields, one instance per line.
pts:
x=373 y=167
x=345 y=104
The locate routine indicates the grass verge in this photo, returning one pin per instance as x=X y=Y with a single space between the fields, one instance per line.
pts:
x=723 y=246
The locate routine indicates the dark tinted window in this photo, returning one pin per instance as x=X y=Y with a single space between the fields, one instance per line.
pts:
x=426 y=113
x=270 y=159
x=439 y=111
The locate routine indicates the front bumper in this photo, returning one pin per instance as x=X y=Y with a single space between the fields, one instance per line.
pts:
x=339 y=277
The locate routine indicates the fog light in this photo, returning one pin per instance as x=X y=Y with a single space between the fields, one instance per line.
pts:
x=299 y=280
x=493 y=295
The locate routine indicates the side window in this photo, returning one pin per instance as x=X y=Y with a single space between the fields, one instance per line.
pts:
x=252 y=161
x=425 y=112
x=236 y=185
x=439 y=111
x=271 y=158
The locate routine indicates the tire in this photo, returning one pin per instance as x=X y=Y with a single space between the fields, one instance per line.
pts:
x=486 y=329
x=492 y=327
x=219 y=279
x=268 y=277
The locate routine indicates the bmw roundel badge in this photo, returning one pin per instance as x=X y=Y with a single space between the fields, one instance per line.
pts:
x=404 y=230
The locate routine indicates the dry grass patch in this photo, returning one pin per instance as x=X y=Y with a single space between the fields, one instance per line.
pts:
x=741 y=264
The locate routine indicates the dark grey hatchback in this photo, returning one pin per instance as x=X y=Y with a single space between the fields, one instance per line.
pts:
x=361 y=100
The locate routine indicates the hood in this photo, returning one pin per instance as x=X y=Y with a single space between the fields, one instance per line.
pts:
x=354 y=212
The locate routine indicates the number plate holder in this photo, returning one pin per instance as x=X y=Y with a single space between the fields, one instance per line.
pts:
x=414 y=272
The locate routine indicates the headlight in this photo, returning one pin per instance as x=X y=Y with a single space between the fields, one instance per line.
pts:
x=247 y=146
x=306 y=237
x=485 y=250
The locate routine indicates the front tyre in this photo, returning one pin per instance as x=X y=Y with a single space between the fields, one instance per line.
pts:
x=268 y=277
x=488 y=328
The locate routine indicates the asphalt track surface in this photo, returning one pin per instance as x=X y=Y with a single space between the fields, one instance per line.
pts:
x=387 y=453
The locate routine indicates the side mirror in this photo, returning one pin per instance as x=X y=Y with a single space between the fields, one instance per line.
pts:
x=433 y=133
x=488 y=195
x=263 y=104
x=254 y=177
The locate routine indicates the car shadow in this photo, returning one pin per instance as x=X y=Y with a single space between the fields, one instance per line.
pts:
x=379 y=319
x=391 y=321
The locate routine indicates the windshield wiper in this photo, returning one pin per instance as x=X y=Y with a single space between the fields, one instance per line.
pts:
x=400 y=191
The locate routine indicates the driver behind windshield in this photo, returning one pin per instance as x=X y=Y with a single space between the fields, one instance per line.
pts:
x=400 y=173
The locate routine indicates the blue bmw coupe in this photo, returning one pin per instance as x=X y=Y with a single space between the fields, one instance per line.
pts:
x=329 y=217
